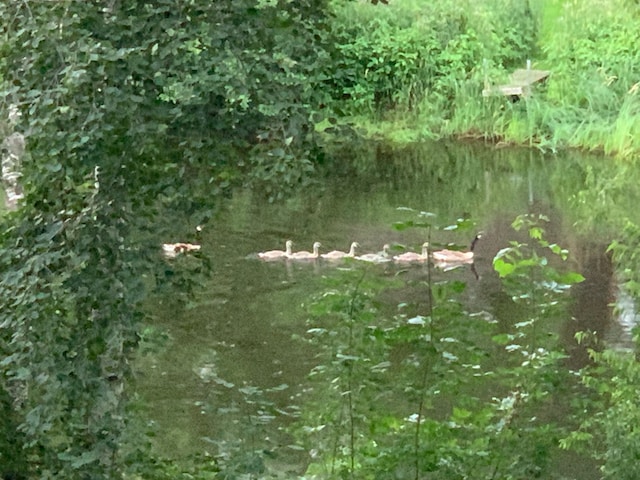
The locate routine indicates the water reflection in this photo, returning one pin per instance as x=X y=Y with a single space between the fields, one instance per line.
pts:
x=234 y=375
x=593 y=299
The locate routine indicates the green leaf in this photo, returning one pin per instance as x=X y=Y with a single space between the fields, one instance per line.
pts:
x=347 y=358
x=78 y=461
x=460 y=414
x=536 y=232
x=570 y=278
x=502 y=338
x=503 y=268
x=400 y=226
x=53 y=167
x=450 y=357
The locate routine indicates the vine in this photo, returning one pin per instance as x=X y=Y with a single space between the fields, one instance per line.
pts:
x=128 y=109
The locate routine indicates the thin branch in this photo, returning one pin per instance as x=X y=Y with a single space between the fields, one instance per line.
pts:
x=423 y=383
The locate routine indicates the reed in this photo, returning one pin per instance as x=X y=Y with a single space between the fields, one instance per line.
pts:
x=420 y=72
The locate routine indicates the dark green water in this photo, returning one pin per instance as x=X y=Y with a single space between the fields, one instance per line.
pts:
x=234 y=374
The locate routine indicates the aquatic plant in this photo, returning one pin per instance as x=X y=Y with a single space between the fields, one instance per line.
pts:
x=423 y=384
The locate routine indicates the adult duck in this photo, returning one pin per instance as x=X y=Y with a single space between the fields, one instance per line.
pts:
x=277 y=254
x=453 y=256
x=411 y=257
x=304 y=255
x=172 y=249
x=380 y=257
x=339 y=255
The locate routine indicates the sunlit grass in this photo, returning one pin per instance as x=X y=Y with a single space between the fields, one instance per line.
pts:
x=589 y=101
x=625 y=138
x=547 y=12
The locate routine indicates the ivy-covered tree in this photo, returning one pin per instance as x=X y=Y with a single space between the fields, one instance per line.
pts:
x=127 y=106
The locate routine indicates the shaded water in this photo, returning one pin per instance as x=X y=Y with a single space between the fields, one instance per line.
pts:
x=234 y=372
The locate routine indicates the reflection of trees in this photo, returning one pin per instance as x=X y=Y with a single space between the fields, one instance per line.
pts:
x=591 y=310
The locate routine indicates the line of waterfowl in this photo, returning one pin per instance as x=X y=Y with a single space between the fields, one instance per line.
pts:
x=440 y=257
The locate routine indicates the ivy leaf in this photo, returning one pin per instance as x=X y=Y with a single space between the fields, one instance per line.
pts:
x=81 y=460
x=53 y=230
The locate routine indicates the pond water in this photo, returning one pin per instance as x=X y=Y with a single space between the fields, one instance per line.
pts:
x=233 y=376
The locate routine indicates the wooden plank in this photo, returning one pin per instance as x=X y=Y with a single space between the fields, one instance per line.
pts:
x=521 y=82
x=528 y=77
x=506 y=90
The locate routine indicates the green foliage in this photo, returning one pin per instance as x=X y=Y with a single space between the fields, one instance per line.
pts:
x=619 y=415
x=532 y=282
x=590 y=100
x=412 y=70
x=595 y=74
x=443 y=407
x=609 y=415
x=598 y=42
x=607 y=409
x=626 y=255
x=12 y=458
x=128 y=109
x=180 y=82
x=519 y=261
x=412 y=56
x=196 y=468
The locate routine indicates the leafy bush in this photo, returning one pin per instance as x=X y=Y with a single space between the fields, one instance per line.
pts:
x=419 y=68
x=127 y=107
x=412 y=55
x=590 y=100
x=445 y=406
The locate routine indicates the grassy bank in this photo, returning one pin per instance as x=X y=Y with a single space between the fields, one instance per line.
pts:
x=412 y=70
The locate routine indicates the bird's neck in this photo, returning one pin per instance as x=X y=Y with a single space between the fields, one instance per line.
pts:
x=473 y=243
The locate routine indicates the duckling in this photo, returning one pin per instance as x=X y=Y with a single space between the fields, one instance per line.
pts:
x=304 y=255
x=339 y=255
x=277 y=254
x=380 y=257
x=410 y=257
x=172 y=249
x=454 y=256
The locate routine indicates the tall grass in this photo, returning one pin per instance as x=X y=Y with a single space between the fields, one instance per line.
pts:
x=410 y=56
x=419 y=67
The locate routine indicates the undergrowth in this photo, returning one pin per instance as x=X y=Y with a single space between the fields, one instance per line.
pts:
x=414 y=70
